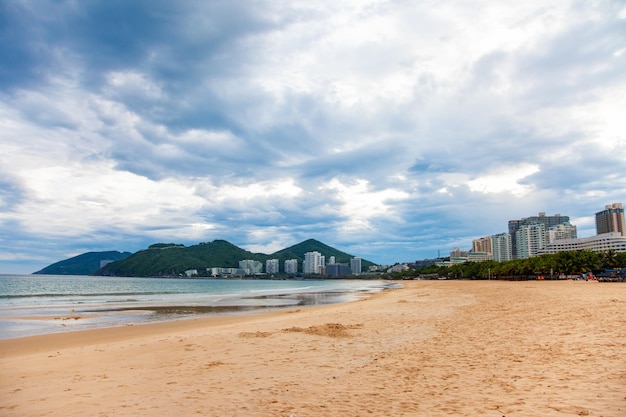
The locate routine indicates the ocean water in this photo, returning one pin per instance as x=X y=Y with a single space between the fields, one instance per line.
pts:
x=40 y=304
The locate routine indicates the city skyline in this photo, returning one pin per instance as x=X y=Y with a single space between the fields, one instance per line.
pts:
x=535 y=235
x=393 y=130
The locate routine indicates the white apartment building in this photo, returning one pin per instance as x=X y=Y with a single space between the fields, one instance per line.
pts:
x=529 y=239
x=251 y=267
x=313 y=263
x=291 y=266
x=355 y=265
x=218 y=271
x=562 y=231
x=502 y=249
x=271 y=266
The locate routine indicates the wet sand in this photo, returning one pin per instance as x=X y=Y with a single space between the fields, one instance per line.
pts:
x=433 y=348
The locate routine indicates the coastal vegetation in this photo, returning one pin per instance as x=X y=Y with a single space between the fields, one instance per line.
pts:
x=566 y=263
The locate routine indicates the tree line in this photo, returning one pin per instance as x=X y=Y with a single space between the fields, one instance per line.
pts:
x=549 y=266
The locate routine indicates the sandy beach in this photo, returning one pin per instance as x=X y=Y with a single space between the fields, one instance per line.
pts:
x=432 y=348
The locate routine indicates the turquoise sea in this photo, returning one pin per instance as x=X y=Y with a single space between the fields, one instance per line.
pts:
x=40 y=304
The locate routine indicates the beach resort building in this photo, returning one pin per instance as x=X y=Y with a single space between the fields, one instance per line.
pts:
x=611 y=219
x=484 y=244
x=614 y=241
x=470 y=256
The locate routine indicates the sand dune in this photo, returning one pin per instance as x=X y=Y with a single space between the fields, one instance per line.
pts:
x=433 y=348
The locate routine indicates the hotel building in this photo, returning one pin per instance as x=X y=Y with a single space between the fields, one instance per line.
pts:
x=484 y=244
x=611 y=219
x=547 y=221
x=614 y=241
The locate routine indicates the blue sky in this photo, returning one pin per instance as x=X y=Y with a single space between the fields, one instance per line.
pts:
x=388 y=129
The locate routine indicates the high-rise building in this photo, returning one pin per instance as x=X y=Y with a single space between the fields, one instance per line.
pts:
x=547 y=221
x=502 y=247
x=458 y=253
x=484 y=244
x=562 y=231
x=313 y=263
x=271 y=266
x=251 y=267
x=355 y=265
x=529 y=239
x=611 y=219
x=291 y=266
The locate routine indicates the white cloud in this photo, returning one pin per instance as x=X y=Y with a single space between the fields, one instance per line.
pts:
x=506 y=179
x=66 y=201
x=359 y=204
x=135 y=83
x=280 y=188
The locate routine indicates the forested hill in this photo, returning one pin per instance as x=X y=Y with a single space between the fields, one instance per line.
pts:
x=84 y=264
x=173 y=259
x=297 y=252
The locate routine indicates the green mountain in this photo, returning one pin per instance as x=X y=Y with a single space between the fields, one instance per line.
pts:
x=297 y=252
x=168 y=259
x=85 y=264
x=171 y=260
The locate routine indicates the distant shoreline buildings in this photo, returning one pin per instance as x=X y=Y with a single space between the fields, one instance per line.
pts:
x=314 y=264
x=538 y=235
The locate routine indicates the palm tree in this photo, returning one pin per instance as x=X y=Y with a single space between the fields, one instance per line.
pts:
x=608 y=259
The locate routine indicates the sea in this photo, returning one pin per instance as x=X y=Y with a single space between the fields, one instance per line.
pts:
x=41 y=304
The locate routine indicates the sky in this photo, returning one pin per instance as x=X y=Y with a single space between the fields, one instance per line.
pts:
x=392 y=130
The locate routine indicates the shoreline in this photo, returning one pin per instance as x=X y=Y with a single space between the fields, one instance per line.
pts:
x=74 y=338
x=108 y=308
x=431 y=348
